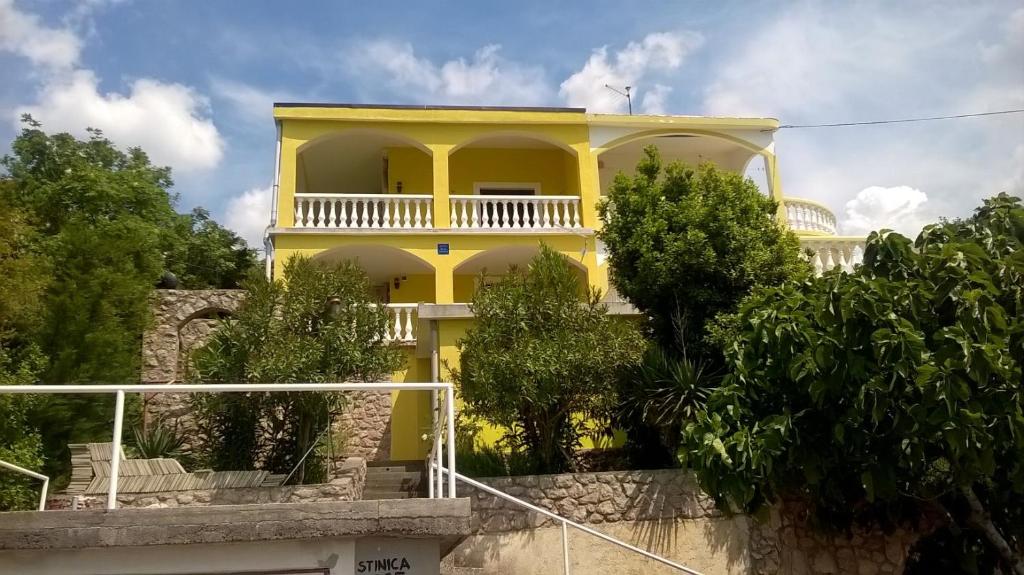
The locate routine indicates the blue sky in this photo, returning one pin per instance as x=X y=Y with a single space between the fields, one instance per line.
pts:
x=193 y=82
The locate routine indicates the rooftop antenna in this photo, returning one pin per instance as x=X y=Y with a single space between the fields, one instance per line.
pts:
x=629 y=99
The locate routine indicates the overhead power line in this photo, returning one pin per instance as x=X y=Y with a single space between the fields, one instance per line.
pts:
x=901 y=120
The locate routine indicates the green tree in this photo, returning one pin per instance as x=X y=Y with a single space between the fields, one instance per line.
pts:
x=687 y=244
x=875 y=393
x=205 y=255
x=317 y=324
x=24 y=274
x=105 y=218
x=541 y=359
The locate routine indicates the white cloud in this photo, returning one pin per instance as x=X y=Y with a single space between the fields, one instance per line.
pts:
x=250 y=103
x=23 y=34
x=654 y=100
x=897 y=208
x=486 y=78
x=808 y=65
x=657 y=52
x=168 y=120
x=248 y=214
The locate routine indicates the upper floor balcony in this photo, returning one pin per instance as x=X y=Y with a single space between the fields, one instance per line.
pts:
x=372 y=180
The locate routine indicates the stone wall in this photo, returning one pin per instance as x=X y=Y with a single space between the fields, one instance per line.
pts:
x=787 y=543
x=347 y=485
x=365 y=425
x=593 y=498
x=665 y=512
x=183 y=321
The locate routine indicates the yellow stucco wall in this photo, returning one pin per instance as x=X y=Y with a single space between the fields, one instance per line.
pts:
x=412 y=167
x=547 y=167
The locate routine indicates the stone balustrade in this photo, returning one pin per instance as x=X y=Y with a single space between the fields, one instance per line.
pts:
x=402 y=328
x=363 y=211
x=809 y=216
x=833 y=252
x=515 y=212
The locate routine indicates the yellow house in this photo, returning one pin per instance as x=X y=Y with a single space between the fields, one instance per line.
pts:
x=428 y=198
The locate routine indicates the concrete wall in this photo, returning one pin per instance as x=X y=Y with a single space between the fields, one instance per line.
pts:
x=337 y=538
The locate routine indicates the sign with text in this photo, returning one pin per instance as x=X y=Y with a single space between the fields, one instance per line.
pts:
x=397 y=557
x=442 y=249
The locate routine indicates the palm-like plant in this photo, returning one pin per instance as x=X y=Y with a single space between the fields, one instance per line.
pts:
x=158 y=441
x=664 y=391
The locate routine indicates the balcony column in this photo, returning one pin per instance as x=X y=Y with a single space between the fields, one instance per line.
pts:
x=442 y=216
x=774 y=184
x=590 y=186
x=444 y=280
x=286 y=187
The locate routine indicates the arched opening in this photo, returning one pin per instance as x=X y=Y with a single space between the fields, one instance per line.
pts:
x=363 y=179
x=686 y=147
x=489 y=266
x=397 y=276
x=514 y=180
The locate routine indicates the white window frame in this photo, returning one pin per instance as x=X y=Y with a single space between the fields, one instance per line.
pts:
x=535 y=186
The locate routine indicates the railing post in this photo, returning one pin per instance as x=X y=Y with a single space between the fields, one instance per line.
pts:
x=449 y=400
x=115 y=450
x=431 y=458
x=565 y=548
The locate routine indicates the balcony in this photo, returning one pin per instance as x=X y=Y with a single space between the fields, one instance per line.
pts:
x=364 y=211
x=809 y=217
x=515 y=212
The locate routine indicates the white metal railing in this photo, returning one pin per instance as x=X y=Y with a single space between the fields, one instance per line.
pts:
x=834 y=252
x=119 y=392
x=515 y=212
x=34 y=475
x=402 y=327
x=363 y=211
x=565 y=523
x=809 y=216
x=434 y=458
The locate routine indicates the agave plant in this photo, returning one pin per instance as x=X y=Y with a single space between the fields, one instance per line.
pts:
x=158 y=441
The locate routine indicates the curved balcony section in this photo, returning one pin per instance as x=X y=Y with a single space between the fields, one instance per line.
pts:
x=809 y=216
x=363 y=211
x=515 y=212
x=834 y=252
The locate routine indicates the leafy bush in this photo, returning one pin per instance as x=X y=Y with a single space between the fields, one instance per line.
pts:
x=875 y=393
x=686 y=244
x=318 y=324
x=541 y=359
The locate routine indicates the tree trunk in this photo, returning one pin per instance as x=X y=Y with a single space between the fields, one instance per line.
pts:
x=980 y=520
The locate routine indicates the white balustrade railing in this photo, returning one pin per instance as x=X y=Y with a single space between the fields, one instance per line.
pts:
x=515 y=212
x=808 y=216
x=834 y=252
x=363 y=211
x=402 y=327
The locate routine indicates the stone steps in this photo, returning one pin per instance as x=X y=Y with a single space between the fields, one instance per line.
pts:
x=395 y=480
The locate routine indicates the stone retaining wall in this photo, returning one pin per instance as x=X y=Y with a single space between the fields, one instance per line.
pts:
x=594 y=498
x=787 y=543
x=663 y=511
x=347 y=485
